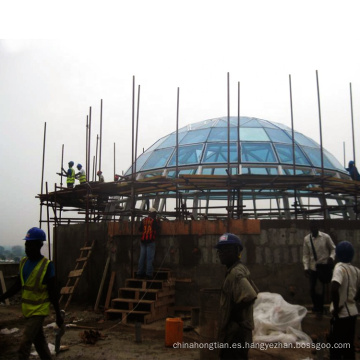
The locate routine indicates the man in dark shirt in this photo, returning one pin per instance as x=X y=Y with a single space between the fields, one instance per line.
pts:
x=238 y=295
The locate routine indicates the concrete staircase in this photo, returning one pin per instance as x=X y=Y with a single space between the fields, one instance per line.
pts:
x=143 y=300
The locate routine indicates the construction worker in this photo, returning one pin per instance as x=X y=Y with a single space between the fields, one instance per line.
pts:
x=101 y=176
x=238 y=295
x=70 y=175
x=345 y=291
x=353 y=171
x=81 y=176
x=149 y=228
x=37 y=280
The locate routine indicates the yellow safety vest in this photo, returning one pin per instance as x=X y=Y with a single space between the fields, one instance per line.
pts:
x=35 y=297
x=71 y=179
x=82 y=177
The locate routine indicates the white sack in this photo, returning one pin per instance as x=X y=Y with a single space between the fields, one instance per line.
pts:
x=278 y=321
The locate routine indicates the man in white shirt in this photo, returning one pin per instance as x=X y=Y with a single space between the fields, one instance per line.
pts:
x=345 y=285
x=318 y=248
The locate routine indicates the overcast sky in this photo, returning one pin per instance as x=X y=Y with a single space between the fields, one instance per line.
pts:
x=57 y=62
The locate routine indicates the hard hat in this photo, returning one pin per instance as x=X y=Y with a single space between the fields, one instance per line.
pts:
x=152 y=210
x=344 y=251
x=71 y=163
x=99 y=172
x=229 y=239
x=79 y=166
x=35 y=234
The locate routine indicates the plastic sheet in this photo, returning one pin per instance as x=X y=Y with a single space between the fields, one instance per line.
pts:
x=278 y=321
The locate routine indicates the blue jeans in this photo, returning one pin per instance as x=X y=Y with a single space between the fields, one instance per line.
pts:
x=147 y=253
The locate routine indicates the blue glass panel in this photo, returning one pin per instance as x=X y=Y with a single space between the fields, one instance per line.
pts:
x=315 y=157
x=222 y=122
x=298 y=171
x=282 y=126
x=140 y=162
x=285 y=153
x=266 y=124
x=155 y=146
x=171 y=140
x=158 y=159
x=219 y=171
x=277 y=135
x=261 y=152
x=304 y=140
x=221 y=134
x=253 y=123
x=195 y=136
x=259 y=171
x=334 y=161
x=203 y=124
x=218 y=153
x=253 y=134
x=187 y=155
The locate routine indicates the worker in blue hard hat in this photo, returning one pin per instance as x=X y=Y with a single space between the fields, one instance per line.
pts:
x=345 y=286
x=70 y=175
x=353 y=171
x=81 y=176
x=238 y=295
x=36 y=279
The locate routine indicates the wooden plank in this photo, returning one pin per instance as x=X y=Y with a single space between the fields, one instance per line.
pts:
x=86 y=248
x=111 y=285
x=75 y=273
x=67 y=290
x=96 y=307
x=3 y=286
x=82 y=259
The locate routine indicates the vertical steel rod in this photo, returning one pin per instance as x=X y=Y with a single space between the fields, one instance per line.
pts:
x=137 y=127
x=238 y=129
x=293 y=143
x=177 y=154
x=96 y=156
x=321 y=146
x=320 y=126
x=62 y=164
x=114 y=162
x=352 y=125
x=132 y=199
x=87 y=142
x=101 y=136
x=239 y=153
x=88 y=170
x=42 y=173
x=228 y=145
x=48 y=222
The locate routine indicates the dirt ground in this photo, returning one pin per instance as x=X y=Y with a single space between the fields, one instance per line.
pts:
x=114 y=340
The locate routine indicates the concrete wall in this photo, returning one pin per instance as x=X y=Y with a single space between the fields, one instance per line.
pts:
x=272 y=251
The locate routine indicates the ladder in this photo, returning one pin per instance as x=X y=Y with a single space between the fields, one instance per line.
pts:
x=74 y=276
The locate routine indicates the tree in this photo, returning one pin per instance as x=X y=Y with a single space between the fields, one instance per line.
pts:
x=17 y=250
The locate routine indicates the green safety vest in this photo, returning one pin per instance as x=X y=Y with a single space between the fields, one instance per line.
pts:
x=35 y=297
x=71 y=179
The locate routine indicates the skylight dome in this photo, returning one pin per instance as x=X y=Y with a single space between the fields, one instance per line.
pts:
x=265 y=149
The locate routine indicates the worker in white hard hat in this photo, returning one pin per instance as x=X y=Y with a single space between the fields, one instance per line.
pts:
x=149 y=228
x=238 y=295
x=37 y=281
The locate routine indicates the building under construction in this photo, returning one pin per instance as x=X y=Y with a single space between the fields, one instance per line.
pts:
x=252 y=177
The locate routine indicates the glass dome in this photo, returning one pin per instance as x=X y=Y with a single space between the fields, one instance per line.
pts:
x=265 y=148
